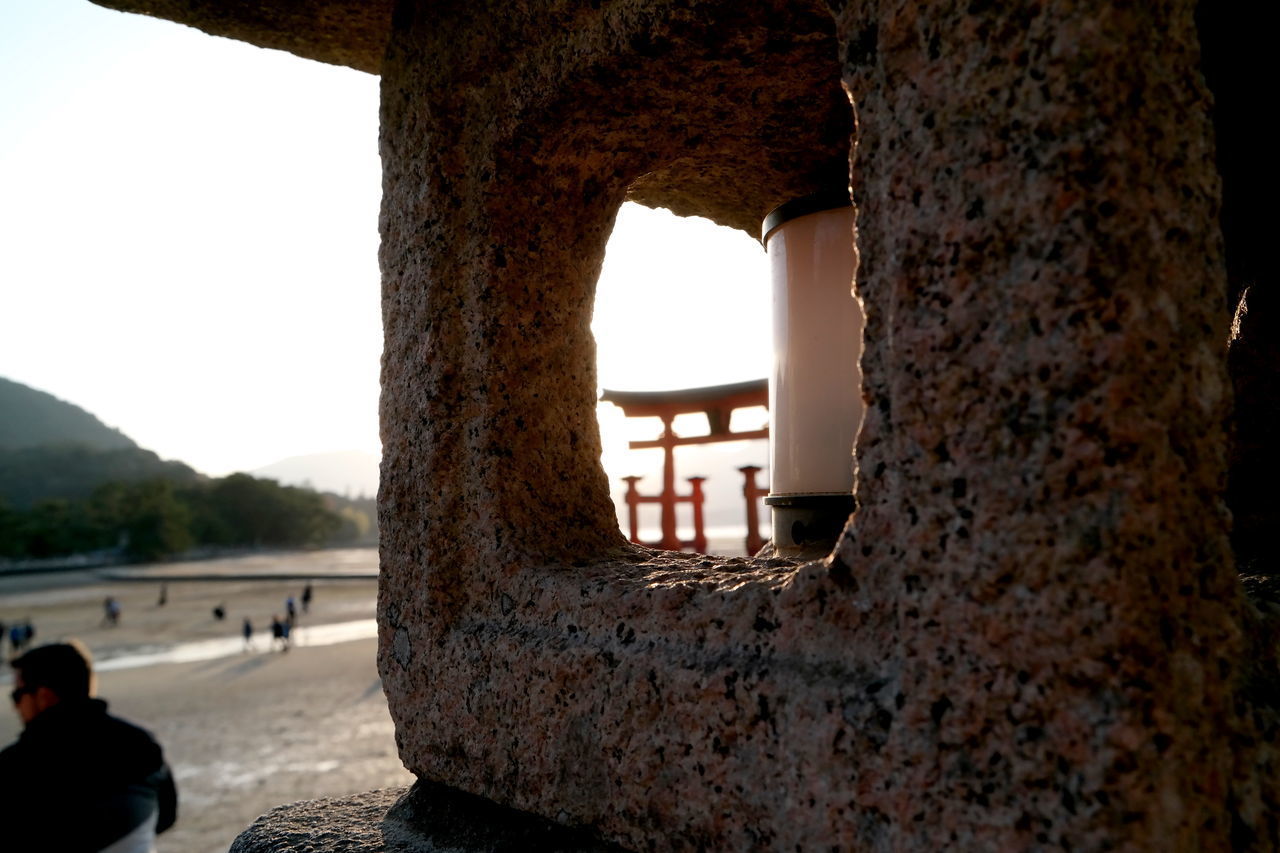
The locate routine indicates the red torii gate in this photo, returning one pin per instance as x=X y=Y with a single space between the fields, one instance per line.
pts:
x=717 y=403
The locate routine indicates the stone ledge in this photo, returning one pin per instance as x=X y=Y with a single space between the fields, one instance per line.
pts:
x=425 y=818
x=341 y=32
x=334 y=825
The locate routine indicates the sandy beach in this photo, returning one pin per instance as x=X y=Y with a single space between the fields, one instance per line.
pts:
x=244 y=730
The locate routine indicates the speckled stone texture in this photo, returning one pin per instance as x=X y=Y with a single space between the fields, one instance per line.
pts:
x=426 y=818
x=1030 y=634
x=332 y=825
x=1042 y=534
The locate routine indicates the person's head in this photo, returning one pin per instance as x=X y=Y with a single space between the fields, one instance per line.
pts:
x=45 y=676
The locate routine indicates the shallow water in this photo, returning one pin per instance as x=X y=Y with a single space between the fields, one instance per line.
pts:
x=316 y=635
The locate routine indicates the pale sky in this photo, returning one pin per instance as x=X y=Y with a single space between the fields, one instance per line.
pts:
x=188 y=247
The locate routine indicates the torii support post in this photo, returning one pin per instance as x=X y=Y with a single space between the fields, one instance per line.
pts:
x=633 y=508
x=699 y=531
x=718 y=403
x=674 y=543
x=668 y=498
x=752 y=494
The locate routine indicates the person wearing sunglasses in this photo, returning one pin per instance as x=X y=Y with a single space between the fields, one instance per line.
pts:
x=79 y=780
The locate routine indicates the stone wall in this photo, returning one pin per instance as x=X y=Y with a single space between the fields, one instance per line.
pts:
x=1030 y=631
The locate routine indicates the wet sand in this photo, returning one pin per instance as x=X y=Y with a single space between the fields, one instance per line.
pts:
x=245 y=732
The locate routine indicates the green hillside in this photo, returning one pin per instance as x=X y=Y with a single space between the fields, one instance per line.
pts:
x=73 y=472
x=31 y=418
x=50 y=449
x=70 y=485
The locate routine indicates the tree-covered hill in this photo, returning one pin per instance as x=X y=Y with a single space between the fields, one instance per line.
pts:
x=70 y=485
x=54 y=450
x=74 y=472
x=31 y=418
x=156 y=518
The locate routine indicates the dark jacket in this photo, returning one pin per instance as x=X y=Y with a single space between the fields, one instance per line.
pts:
x=78 y=779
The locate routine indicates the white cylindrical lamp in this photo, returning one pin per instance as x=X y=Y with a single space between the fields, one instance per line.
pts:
x=815 y=400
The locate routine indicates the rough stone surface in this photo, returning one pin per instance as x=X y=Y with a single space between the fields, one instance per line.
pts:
x=332 y=825
x=1030 y=633
x=423 y=819
x=434 y=817
x=1041 y=533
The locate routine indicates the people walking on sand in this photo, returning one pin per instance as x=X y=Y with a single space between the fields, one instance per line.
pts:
x=247 y=632
x=164 y=595
x=21 y=635
x=306 y=597
x=110 y=612
x=220 y=611
x=77 y=778
x=286 y=628
x=277 y=631
x=291 y=610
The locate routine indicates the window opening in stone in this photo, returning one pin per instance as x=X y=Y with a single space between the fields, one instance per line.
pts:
x=674 y=306
x=683 y=304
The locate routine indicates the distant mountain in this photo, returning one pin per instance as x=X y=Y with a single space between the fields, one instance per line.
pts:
x=53 y=449
x=31 y=418
x=344 y=472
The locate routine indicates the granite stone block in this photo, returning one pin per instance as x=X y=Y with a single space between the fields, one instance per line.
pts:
x=1030 y=633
